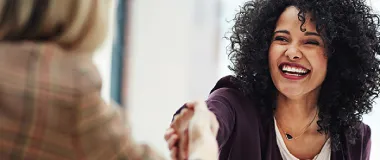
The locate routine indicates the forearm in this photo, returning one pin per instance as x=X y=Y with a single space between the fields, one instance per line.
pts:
x=205 y=148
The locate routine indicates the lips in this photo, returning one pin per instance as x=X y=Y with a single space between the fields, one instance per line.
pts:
x=293 y=71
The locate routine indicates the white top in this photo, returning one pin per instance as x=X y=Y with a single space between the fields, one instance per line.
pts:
x=325 y=153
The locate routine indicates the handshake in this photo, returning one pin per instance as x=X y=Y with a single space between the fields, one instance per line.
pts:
x=192 y=134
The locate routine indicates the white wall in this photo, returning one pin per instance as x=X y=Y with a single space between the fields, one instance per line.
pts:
x=171 y=60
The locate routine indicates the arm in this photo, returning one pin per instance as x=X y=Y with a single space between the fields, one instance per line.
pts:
x=100 y=129
x=219 y=106
x=206 y=147
x=220 y=103
x=197 y=128
x=203 y=129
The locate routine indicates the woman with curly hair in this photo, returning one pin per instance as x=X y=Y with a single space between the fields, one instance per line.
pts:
x=305 y=73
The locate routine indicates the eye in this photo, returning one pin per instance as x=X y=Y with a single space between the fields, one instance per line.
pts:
x=280 y=38
x=312 y=42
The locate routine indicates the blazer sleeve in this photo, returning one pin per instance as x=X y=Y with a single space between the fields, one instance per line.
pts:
x=101 y=130
x=221 y=103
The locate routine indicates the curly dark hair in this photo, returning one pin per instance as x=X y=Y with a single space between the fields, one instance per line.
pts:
x=351 y=33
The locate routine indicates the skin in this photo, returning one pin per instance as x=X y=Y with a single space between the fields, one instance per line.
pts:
x=194 y=129
x=297 y=99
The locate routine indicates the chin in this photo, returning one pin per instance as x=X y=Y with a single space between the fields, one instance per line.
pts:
x=297 y=91
x=291 y=94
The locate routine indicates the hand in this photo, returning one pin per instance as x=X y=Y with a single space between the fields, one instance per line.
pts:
x=172 y=140
x=203 y=129
x=177 y=135
x=203 y=120
x=197 y=128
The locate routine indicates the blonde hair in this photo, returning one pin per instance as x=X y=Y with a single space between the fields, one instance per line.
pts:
x=79 y=25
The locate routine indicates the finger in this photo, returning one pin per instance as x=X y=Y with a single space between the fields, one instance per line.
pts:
x=169 y=132
x=175 y=118
x=191 y=105
x=186 y=116
x=173 y=153
x=184 y=145
x=172 y=141
x=178 y=118
x=181 y=112
x=175 y=122
x=184 y=136
x=197 y=105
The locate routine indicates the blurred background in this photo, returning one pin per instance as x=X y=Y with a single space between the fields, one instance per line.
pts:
x=161 y=54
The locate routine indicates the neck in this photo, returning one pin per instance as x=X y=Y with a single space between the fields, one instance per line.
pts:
x=296 y=113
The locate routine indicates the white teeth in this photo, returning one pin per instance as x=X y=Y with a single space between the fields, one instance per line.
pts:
x=293 y=69
x=293 y=74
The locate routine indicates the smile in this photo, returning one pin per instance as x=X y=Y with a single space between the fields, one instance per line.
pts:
x=293 y=71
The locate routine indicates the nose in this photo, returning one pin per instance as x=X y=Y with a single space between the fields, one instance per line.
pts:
x=293 y=53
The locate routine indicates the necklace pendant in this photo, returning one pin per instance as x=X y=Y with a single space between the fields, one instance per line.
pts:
x=288 y=136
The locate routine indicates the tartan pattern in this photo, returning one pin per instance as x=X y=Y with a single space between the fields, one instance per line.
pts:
x=51 y=108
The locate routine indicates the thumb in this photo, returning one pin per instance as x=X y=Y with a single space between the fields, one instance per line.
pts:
x=203 y=119
x=197 y=106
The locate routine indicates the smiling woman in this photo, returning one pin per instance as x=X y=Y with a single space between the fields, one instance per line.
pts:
x=305 y=72
x=298 y=66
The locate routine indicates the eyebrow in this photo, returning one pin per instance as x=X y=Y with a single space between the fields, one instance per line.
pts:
x=312 y=34
x=282 y=31
x=306 y=33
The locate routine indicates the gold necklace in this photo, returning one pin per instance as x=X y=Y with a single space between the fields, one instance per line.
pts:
x=290 y=137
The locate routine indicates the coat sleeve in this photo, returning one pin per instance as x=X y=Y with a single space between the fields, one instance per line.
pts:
x=101 y=130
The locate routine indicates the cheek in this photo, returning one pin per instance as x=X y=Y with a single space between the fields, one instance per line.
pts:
x=322 y=61
x=319 y=64
x=273 y=55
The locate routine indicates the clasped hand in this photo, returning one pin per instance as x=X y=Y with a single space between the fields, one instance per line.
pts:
x=192 y=134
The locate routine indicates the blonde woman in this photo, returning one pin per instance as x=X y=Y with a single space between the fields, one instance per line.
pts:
x=50 y=103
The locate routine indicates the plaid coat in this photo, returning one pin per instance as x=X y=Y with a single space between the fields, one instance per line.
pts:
x=51 y=108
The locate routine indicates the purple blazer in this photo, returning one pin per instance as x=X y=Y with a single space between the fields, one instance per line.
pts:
x=244 y=133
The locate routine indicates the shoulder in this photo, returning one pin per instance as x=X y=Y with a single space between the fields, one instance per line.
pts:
x=87 y=75
x=365 y=133
x=77 y=72
x=226 y=88
x=227 y=99
x=228 y=92
x=46 y=67
x=364 y=141
x=362 y=146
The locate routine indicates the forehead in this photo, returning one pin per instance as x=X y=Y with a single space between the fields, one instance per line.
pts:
x=289 y=20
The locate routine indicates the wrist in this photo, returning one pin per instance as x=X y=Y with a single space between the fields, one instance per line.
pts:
x=205 y=147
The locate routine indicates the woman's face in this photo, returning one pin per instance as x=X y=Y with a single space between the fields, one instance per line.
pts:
x=297 y=59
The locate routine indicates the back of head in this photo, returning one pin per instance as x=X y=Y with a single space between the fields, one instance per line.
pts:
x=75 y=25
